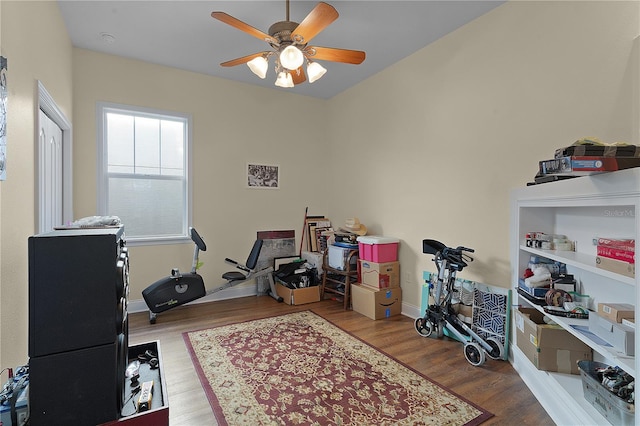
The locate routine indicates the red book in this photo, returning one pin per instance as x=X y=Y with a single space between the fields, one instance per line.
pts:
x=617 y=254
x=618 y=243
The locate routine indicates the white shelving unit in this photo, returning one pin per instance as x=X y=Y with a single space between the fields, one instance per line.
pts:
x=584 y=208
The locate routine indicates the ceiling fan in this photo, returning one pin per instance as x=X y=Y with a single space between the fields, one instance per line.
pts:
x=290 y=43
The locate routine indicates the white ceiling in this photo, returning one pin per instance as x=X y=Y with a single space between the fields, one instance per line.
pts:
x=182 y=34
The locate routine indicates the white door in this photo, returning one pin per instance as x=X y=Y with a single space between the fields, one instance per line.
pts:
x=50 y=184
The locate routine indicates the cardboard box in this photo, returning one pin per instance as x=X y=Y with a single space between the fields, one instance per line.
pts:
x=618 y=335
x=616 y=311
x=298 y=296
x=378 y=249
x=548 y=347
x=629 y=322
x=376 y=304
x=617 y=266
x=538 y=292
x=465 y=313
x=379 y=275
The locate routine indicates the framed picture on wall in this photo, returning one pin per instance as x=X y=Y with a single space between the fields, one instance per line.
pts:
x=263 y=176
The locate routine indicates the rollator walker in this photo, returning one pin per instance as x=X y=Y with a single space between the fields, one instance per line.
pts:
x=440 y=315
x=180 y=288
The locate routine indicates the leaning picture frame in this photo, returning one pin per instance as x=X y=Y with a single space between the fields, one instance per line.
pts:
x=262 y=176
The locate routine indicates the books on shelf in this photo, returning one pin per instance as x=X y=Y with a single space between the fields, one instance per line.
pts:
x=617 y=243
x=599 y=150
x=620 y=249
x=586 y=165
x=617 y=254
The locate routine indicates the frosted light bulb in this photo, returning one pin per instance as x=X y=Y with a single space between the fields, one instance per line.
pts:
x=259 y=66
x=291 y=58
x=315 y=71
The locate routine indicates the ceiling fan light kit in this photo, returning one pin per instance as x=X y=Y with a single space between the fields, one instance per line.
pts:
x=315 y=71
x=290 y=43
x=259 y=66
x=284 y=79
x=291 y=58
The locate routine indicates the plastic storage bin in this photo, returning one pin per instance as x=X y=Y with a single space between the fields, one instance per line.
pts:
x=339 y=256
x=378 y=249
x=616 y=410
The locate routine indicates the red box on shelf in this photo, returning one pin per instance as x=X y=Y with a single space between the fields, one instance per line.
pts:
x=378 y=249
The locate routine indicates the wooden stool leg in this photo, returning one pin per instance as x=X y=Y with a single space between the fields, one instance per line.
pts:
x=347 y=293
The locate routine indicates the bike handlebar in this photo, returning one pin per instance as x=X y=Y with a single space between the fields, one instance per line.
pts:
x=456 y=257
x=462 y=248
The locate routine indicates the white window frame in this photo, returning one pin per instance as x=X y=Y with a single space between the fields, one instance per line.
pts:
x=103 y=177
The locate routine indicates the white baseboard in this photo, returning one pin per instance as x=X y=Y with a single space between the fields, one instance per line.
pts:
x=139 y=305
x=411 y=311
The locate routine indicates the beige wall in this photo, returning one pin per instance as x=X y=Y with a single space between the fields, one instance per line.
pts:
x=233 y=124
x=37 y=47
x=443 y=136
x=429 y=148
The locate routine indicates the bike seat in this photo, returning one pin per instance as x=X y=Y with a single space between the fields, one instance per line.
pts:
x=234 y=275
x=432 y=246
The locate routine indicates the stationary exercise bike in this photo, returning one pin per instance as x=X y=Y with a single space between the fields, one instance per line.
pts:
x=180 y=288
x=440 y=315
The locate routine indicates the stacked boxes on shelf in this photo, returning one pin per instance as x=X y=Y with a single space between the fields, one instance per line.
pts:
x=617 y=255
x=607 y=323
x=549 y=347
x=377 y=294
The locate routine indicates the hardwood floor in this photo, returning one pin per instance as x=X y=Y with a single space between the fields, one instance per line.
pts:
x=495 y=386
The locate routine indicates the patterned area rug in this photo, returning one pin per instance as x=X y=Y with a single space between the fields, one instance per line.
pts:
x=299 y=369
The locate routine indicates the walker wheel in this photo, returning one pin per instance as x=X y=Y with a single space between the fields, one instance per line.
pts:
x=474 y=354
x=497 y=348
x=424 y=328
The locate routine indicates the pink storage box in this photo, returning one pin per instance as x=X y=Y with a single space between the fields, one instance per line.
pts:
x=378 y=249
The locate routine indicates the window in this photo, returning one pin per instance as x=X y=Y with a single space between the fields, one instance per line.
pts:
x=143 y=171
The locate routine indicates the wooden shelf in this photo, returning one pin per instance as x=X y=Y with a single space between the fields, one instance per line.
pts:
x=582 y=209
x=583 y=261
x=626 y=362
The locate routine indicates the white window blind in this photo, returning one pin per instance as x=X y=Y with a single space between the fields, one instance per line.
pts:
x=143 y=171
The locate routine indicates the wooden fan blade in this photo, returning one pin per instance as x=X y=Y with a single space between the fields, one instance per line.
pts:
x=298 y=76
x=317 y=20
x=243 y=60
x=236 y=23
x=335 y=55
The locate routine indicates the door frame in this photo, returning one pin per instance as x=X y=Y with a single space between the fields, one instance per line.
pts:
x=51 y=109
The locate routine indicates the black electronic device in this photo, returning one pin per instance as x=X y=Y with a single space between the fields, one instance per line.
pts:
x=78 y=325
x=76 y=289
